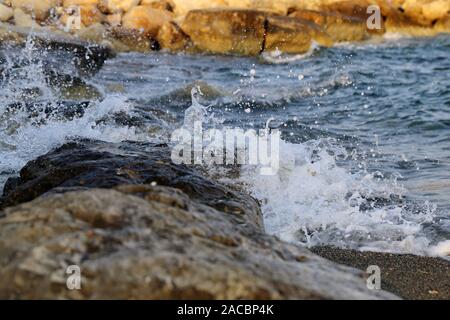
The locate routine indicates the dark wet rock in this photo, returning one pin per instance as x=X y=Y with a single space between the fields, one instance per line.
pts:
x=55 y=79
x=11 y=184
x=180 y=99
x=154 y=242
x=93 y=164
x=132 y=41
x=70 y=86
x=87 y=57
x=409 y=276
x=125 y=119
x=41 y=112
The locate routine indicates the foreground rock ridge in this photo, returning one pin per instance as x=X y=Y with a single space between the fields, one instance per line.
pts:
x=245 y=27
x=140 y=227
x=89 y=164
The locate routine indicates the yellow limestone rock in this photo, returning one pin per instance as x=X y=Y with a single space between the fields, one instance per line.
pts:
x=436 y=10
x=225 y=31
x=339 y=27
x=146 y=20
x=37 y=8
x=182 y=7
x=23 y=19
x=88 y=14
x=159 y=4
x=114 y=19
x=173 y=38
x=114 y=6
x=291 y=35
x=68 y=3
x=6 y=13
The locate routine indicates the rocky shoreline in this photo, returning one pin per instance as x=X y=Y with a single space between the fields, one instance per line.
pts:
x=140 y=227
x=223 y=26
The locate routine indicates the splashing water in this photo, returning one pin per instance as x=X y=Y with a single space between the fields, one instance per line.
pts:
x=23 y=73
x=320 y=195
x=31 y=123
x=196 y=112
x=313 y=201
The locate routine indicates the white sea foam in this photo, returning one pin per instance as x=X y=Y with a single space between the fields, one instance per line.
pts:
x=442 y=249
x=31 y=140
x=196 y=112
x=314 y=201
x=24 y=137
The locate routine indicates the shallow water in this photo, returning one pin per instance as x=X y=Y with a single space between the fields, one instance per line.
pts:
x=365 y=156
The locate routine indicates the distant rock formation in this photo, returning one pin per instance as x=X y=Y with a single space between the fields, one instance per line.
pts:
x=244 y=27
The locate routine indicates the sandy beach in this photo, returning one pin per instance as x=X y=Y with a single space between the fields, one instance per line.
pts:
x=408 y=276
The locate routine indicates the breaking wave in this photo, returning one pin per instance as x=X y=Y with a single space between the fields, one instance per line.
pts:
x=321 y=195
x=314 y=201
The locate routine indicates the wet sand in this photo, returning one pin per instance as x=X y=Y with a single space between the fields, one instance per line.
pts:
x=408 y=276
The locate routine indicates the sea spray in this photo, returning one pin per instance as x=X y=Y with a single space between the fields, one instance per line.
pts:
x=313 y=201
x=346 y=103
x=191 y=145
x=31 y=123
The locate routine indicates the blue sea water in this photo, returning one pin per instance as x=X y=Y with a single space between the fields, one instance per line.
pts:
x=365 y=158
